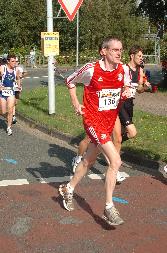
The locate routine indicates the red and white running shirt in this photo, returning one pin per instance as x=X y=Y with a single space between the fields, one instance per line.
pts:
x=102 y=92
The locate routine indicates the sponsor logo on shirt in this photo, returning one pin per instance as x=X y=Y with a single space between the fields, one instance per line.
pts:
x=103 y=136
x=100 y=79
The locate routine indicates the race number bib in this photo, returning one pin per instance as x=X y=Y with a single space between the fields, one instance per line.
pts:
x=7 y=93
x=16 y=87
x=132 y=92
x=133 y=89
x=109 y=99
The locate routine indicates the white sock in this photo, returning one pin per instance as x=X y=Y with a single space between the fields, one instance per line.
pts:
x=109 y=205
x=165 y=168
x=79 y=157
x=71 y=189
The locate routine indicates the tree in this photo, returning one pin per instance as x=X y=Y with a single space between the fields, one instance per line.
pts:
x=100 y=18
x=21 y=22
x=155 y=11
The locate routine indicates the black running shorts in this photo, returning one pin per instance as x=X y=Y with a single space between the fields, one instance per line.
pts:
x=126 y=112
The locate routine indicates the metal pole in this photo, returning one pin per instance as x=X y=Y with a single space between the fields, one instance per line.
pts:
x=155 y=50
x=159 y=52
x=77 y=47
x=51 y=84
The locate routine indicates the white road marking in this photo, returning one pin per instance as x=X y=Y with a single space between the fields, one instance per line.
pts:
x=53 y=179
x=14 y=182
x=35 y=77
x=96 y=176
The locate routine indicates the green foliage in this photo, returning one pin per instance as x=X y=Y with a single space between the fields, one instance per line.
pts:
x=155 y=11
x=152 y=133
x=164 y=48
x=21 y=23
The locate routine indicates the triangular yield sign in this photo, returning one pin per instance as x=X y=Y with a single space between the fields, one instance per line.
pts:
x=70 y=7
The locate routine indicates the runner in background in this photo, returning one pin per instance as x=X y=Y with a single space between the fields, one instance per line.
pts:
x=126 y=111
x=9 y=76
x=104 y=86
x=23 y=73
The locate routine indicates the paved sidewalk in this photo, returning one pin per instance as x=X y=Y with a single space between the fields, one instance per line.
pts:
x=35 y=221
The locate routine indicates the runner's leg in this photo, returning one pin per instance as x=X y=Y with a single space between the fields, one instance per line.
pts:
x=10 y=106
x=131 y=131
x=113 y=157
x=82 y=168
x=3 y=105
x=67 y=190
x=111 y=214
x=117 y=137
x=83 y=145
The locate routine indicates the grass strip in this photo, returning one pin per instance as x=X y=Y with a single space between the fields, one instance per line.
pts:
x=151 y=141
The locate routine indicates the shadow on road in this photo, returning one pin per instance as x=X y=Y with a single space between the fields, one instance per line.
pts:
x=3 y=124
x=46 y=170
x=86 y=207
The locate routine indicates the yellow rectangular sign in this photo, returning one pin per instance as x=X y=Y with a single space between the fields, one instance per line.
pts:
x=50 y=43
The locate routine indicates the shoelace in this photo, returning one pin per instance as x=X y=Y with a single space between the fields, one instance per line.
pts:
x=70 y=197
x=114 y=212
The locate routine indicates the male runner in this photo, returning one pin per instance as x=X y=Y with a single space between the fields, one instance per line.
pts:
x=9 y=76
x=104 y=83
x=126 y=110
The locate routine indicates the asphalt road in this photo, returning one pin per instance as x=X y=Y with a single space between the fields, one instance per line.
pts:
x=33 y=164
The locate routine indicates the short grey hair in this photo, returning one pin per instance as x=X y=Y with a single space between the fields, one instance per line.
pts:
x=105 y=43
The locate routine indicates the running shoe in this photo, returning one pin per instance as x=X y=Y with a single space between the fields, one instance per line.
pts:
x=112 y=216
x=164 y=171
x=14 y=120
x=9 y=131
x=120 y=177
x=75 y=161
x=67 y=197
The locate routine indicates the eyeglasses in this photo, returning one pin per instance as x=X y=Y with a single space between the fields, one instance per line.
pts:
x=116 y=50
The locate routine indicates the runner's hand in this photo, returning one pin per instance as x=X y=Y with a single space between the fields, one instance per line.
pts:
x=147 y=86
x=19 y=88
x=79 y=109
x=126 y=93
x=1 y=87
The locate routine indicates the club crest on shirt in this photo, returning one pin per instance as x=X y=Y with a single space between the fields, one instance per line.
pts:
x=120 y=77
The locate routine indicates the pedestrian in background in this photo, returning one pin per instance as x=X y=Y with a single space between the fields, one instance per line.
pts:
x=32 y=57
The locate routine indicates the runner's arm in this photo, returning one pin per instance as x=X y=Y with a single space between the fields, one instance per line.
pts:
x=140 y=88
x=83 y=75
x=18 y=79
x=1 y=73
x=127 y=83
x=75 y=102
